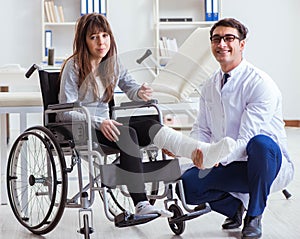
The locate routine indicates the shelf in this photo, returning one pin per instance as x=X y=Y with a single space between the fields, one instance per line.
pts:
x=59 y=24
x=197 y=23
x=179 y=20
x=62 y=29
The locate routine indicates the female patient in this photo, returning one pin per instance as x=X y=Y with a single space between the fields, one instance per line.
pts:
x=90 y=75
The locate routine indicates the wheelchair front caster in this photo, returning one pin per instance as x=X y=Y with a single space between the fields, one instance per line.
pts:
x=177 y=226
x=86 y=222
x=86 y=230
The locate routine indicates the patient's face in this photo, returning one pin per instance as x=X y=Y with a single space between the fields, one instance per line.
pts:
x=98 y=44
x=227 y=53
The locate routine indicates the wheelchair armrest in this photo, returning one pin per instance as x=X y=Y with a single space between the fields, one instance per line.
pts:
x=64 y=106
x=153 y=104
x=136 y=104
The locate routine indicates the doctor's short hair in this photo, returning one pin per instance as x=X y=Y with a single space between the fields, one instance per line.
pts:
x=233 y=23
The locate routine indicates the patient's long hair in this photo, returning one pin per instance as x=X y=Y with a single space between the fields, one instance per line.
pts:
x=87 y=24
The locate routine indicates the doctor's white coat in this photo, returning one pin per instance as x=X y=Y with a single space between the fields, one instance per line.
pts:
x=249 y=104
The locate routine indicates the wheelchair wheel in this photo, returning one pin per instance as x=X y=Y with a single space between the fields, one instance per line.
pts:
x=36 y=180
x=179 y=226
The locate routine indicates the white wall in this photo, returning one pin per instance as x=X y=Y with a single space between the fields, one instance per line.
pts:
x=272 y=43
x=132 y=24
x=20 y=24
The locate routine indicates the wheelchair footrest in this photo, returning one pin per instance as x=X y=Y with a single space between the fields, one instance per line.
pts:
x=190 y=215
x=126 y=219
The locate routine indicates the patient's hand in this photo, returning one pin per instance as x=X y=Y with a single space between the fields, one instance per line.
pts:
x=110 y=130
x=145 y=92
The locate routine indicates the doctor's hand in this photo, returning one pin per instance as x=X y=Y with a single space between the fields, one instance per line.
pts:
x=145 y=92
x=110 y=130
x=197 y=158
x=167 y=152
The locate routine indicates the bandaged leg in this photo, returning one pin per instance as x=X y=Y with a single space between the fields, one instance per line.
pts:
x=181 y=145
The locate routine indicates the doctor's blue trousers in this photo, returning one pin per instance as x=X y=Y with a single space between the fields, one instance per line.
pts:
x=254 y=176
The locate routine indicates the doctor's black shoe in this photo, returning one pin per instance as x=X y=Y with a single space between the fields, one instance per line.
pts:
x=252 y=227
x=236 y=221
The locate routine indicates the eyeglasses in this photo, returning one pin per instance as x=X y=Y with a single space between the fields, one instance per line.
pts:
x=216 y=39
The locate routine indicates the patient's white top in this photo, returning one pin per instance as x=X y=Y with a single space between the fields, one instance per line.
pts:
x=71 y=92
x=249 y=104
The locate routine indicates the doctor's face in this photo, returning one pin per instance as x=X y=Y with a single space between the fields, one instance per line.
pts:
x=227 y=47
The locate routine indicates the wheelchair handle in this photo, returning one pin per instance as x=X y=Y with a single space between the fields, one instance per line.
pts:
x=31 y=70
x=147 y=54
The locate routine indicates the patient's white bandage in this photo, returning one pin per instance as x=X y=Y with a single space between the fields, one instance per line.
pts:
x=183 y=146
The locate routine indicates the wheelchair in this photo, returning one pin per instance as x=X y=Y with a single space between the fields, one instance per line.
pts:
x=42 y=158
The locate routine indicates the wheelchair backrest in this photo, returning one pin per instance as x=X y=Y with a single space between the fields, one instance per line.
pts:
x=50 y=85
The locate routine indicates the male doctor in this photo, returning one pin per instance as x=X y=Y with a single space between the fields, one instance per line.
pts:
x=244 y=103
